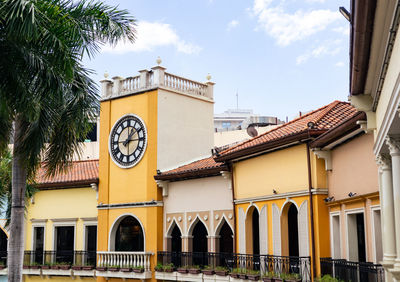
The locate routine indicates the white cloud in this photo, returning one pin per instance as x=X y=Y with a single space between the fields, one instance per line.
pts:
x=151 y=35
x=287 y=27
x=232 y=24
x=345 y=30
x=329 y=47
x=339 y=64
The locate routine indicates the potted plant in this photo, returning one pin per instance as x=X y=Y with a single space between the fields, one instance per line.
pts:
x=292 y=277
x=101 y=268
x=126 y=269
x=54 y=266
x=235 y=273
x=64 y=265
x=88 y=267
x=113 y=268
x=208 y=270
x=46 y=266
x=269 y=277
x=242 y=274
x=25 y=266
x=253 y=275
x=159 y=267
x=138 y=269
x=221 y=271
x=34 y=265
x=2 y=266
x=194 y=269
x=76 y=267
x=182 y=269
x=169 y=267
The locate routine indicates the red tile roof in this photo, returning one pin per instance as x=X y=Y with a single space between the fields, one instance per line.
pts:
x=201 y=168
x=79 y=173
x=323 y=119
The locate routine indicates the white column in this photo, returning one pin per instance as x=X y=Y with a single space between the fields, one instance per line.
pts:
x=387 y=206
x=394 y=148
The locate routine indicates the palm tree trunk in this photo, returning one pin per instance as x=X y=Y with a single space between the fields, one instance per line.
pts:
x=16 y=239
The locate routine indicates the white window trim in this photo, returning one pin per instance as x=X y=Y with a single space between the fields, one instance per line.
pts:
x=85 y=224
x=38 y=224
x=350 y=212
x=331 y=215
x=60 y=223
x=373 y=209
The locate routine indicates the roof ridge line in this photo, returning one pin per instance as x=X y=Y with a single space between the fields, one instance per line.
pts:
x=278 y=127
x=329 y=107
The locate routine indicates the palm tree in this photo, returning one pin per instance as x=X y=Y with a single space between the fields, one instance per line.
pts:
x=46 y=96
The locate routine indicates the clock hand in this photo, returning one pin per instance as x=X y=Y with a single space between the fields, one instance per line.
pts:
x=129 y=138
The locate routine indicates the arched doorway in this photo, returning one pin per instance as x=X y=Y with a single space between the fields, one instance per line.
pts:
x=225 y=240
x=290 y=230
x=199 y=244
x=129 y=235
x=253 y=231
x=175 y=245
x=293 y=231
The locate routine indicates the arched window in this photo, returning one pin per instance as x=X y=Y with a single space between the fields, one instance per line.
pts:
x=129 y=236
x=253 y=231
x=176 y=240
x=200 y=238
x=225 y=240
x=290 y=230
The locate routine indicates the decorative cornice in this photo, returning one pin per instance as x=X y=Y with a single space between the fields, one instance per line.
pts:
x=164 y=185
x=38 y=220
x=321 y=191
x=64 y=219
x=130 y=205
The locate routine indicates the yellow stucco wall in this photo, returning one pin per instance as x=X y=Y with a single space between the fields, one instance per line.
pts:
x=118 y=185
x=61 y=204
x=284 y=170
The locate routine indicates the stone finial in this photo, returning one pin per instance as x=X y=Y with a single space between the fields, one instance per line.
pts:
x=208 y=77
x=158 y=61
x=106 y=74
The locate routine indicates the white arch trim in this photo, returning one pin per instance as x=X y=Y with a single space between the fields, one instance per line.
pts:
x=193 y=224
x=263 y=223
x=171 y=227
x=221 y=223
x=276 y=230
x=113 y=230
x=289 y=200
x=249 y=207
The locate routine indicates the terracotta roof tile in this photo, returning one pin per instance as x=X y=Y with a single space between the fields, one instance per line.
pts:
x=200 y=167
x=79 y=172
x=323 y=118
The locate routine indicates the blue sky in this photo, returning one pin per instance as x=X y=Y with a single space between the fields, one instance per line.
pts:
x=281 y=56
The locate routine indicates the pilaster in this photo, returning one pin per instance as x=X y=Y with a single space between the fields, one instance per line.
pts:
x=394 y=148
x=387 y=206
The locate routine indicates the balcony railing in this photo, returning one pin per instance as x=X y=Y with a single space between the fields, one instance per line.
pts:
x=352 y=271
x=81 y=258
x=260 y=263
x=124 y=260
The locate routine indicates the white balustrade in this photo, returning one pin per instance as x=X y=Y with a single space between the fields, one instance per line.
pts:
x=124 y=259
x=185 y=85
x=157 y=77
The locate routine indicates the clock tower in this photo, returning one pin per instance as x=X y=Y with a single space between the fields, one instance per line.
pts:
x=149 y=122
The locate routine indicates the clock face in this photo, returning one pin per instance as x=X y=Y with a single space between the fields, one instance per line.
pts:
x=127 y=141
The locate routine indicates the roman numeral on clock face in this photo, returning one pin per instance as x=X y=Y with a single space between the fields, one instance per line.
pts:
x=127 y=141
